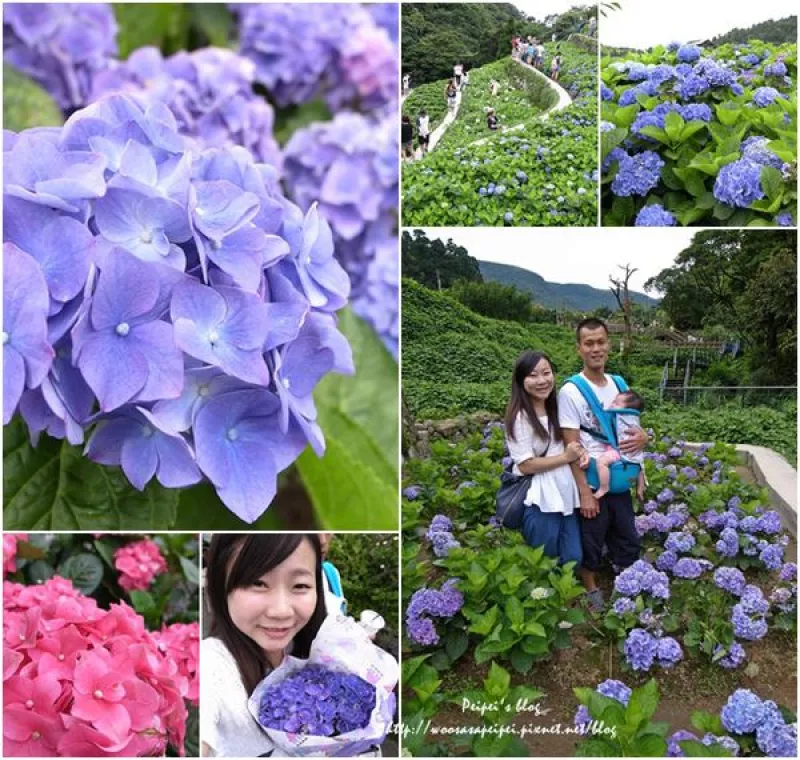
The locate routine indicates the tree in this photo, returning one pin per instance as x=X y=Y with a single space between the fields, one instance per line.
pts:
x=491 y=299
x=435 y=264
x=622 y=295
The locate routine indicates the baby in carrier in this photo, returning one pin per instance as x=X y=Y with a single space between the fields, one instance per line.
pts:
x=628 y=405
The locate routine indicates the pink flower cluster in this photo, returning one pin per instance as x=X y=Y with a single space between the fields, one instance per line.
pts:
x=180 y=642
x=139 y=563
x=10 y=551
x=82 y=681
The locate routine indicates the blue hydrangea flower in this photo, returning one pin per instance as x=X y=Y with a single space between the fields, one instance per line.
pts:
x=641 y=649
x=729 y=743
x=788 y=572
x=62 y=46
x=654 y=215
x=765 y=96
x=669 y=652
x=27 y=354
x=689 y=53
x=743 y=712
x=730 y=579
x=623 y=605
x=755 y=148
x=772 y=556
x=606 y=93
x=785 y=219
x=777 y=69
x=692 y=86
x=733 y=658
x=387 y=16
x=412 y=493
x=686 y=567
x=679 y=542
x=739 y=183
x=427 y=603
x=673 y=742
x=637 y=174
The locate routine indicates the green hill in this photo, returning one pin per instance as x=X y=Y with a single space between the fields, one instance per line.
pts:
x=777 y=31
x=554 y=295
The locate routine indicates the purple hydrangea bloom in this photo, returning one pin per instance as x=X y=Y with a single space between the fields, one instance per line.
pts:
x=733 y=658
x=62 y=46
x=615 y=690
x=637 y=174
x=641 y=649
x=729 y=743
x=692 y=86
x=751 y=59
x=387 y=16
x=427 y=603
x=654 y=215
x=686 y=567
x=746 y=626
x=765 y=96
x=770 y=523
x=785 y=219
x=777 y=740
x=730 y=579
x=689 y=473
x=689 y=53
x=680 y=543
x=623 y=605
x=606 y=93
x=739 y=183
x=669 y=652
x=666 y=560
x=665 y=496
x=673 y=742
x=777 y=69
x=743 y=712
x=755 y=148
x=318 y=702
x=788 y=572
x=772 y=556
x=210 y=92
x=27 y=354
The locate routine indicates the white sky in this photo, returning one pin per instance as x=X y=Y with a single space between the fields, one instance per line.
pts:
x=539 y=9
x=584 y=256
x=645 y=23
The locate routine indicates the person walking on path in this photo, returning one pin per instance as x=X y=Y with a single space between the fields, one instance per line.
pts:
x=464 y=80
x=555 y=66
x=407 y=137
x=539 y=55
x=491 y=120
x=451 y=93
x=593 y=26
x=458 y=71
x=406 y=84
x=609 y=521
x=423 y=131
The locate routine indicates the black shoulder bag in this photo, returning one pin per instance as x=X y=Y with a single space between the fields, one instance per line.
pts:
x=510 y=500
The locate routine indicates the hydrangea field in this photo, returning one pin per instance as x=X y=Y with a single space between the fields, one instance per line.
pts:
x=200 y=265
x=706 y=616
x=540 y=172
x=86 y=617
x=698 y=136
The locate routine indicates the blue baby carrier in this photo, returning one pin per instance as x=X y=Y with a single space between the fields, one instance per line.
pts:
x=623 y=474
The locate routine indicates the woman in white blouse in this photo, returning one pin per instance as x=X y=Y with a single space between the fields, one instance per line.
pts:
x=537 y=448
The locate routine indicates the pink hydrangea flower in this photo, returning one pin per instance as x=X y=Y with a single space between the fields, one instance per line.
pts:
x=138 y=564
x=82 y=681
x=10 y=541
x=181 y=642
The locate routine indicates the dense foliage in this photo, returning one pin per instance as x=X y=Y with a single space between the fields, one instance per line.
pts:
x=700 y=137
x=435 y=264
x=491 y=299
x=538 y=172
x=776 y=31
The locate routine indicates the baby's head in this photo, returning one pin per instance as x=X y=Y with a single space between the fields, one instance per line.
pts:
x=628 y=400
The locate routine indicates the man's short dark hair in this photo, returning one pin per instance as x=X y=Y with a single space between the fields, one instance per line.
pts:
x=590 y=323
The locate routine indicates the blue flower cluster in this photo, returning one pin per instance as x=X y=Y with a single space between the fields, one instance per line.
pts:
x=688 y=53
x=730 y=579
x=316 y=701
x=681 y=543
x=349 y=59
x=209 y=91
x=412 y=493
x=654 y=215
x=349 y=166
x=739 y=183
x=642 y=577
x=427 y=603
x=643 y=650
x=610 y=688
x=62 y=46
x=440 y=534
x=748 y=615
x=177 y=287
x=638 y=174
x=765 y=96
x=731 y=659
x=688 y=567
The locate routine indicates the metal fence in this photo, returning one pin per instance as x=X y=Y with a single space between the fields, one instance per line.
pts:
x=711 y=396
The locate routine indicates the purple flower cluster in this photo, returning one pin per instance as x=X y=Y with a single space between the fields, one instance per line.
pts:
x=755 y=149
x=209 y=91
x=441 y=537
x=318 y=702
x=687 y=567
x=62 y=46
x=348 y=59
x=771 y=556
x=680 y=543
x=610 y=688
x=733 y=658
x=730 y=579
x=641 y=577
x=739 y=183
x=643 y=650
x=788 y=572
x=412 y=493
x=349 y=166
x=765 y=96
x=637 y=174
x=427 y=603
x=748 y=615
x=183 y=291
x=654 y=215
x=673 y=742
x=777 y=69
x=689 y=53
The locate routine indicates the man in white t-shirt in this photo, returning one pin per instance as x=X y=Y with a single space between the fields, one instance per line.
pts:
x=610 y=520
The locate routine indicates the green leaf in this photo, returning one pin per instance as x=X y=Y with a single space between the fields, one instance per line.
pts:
x=346 y=494
x=649 y=746
x=39 y=571
x=728 y=113
x=498 y=681
x=707 y=723
x=25 y=104
x=643 y=701
x=514 y=611
x=142 y=602
x=521 y=661
x=484 y=624
x=160 y=24
x=410 y=667
x=456 y=644
x=190 y=570
x=656 y=133
x=691 y=129
x=54 y=487
x=84 y=570
x=697 y=749
x=193 y=732
x=723 y=212
x=610 y=140
x=106 y=551
x=772 y=182
x=596 y=748
x=673 y=125
x=625 y=116
x=214 y=20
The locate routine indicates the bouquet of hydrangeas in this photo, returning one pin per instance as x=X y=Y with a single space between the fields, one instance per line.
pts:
x=339 y=702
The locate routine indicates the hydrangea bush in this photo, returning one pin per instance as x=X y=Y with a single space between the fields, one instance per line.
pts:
x=693 y=136
x=187 y=277
x=540 y=173
x=85 y=672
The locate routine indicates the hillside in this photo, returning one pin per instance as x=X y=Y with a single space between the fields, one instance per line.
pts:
x=554 y=295
x=775 y=30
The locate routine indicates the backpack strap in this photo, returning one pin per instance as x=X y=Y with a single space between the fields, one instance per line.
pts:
x=602 y=417
x=619 y=381
x=333 y=578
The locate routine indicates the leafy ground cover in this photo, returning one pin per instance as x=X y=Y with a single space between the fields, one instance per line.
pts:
x=543 y=173
x=431 y=97
x=127 y=608
x=708 y=611
x=700 y=137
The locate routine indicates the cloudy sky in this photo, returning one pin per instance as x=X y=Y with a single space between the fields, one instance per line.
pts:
x=644 y=23
x=578 y=255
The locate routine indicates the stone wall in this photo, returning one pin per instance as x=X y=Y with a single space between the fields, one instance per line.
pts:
x=420 y=434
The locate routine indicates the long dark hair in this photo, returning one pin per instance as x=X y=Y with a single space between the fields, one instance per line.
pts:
x=236 y=560
x=521 y=401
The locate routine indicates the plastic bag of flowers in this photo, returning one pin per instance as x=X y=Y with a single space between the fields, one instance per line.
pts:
x=339 y=702
x=174 y=287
